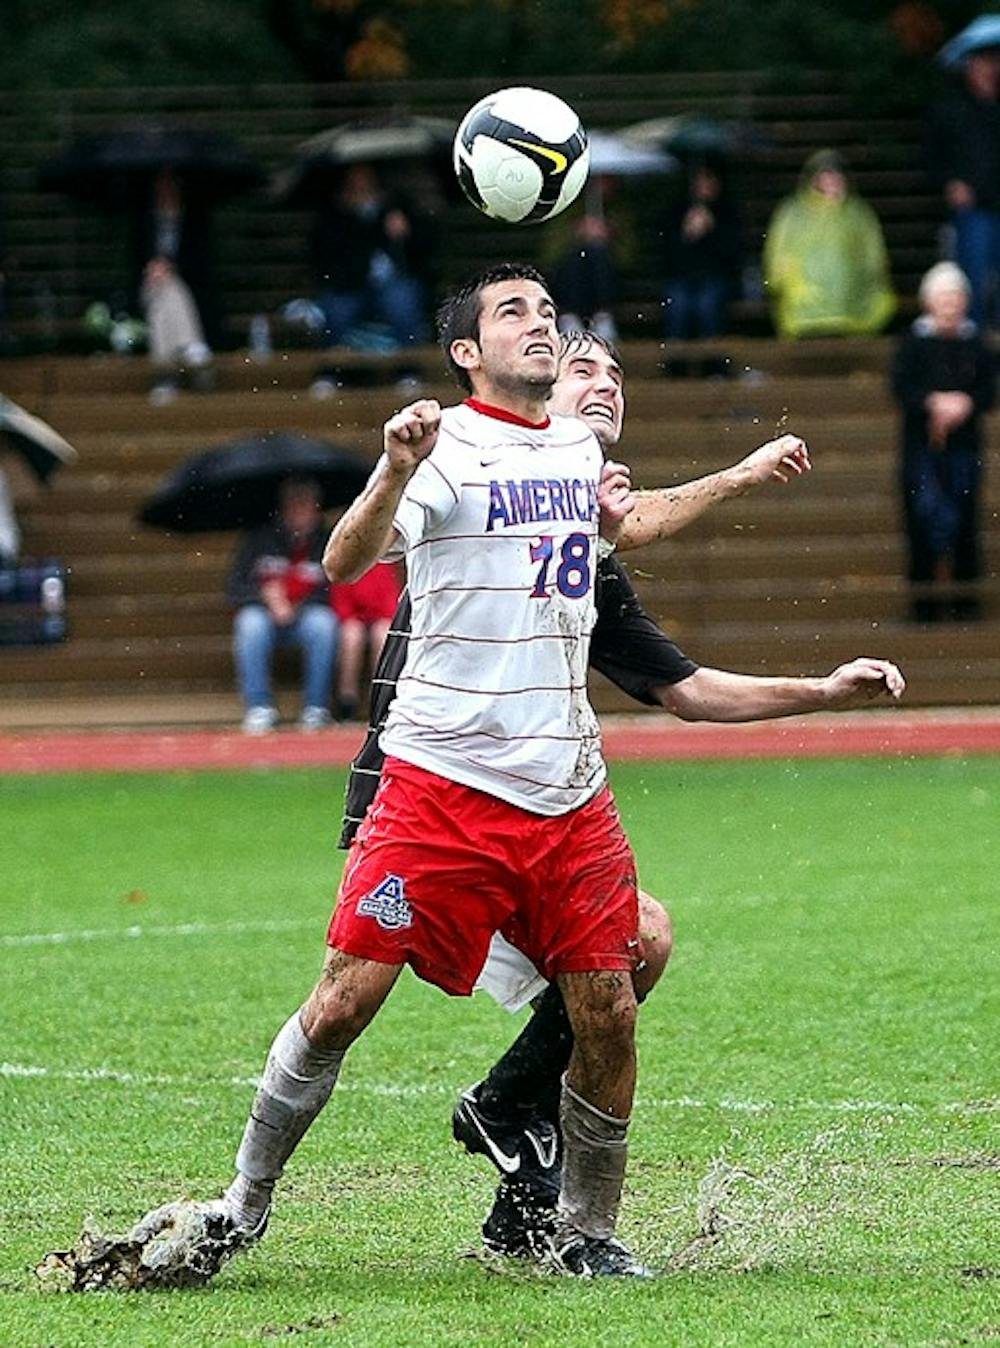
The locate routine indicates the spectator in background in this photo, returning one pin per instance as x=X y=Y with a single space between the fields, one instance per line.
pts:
x=10 y=533
x=364 y=610
x=702 y=247
x=825 y=262
x=964 y=160
x=282 y=599
x=171 y=243
x=943 y=377
x=368 y=255
x=584 y=275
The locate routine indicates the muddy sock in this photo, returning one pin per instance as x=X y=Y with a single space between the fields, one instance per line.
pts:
x=527 y=1080
x=596 y=1148
x=296 y=1084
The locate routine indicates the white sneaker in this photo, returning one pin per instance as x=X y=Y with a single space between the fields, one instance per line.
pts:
x=260 y=721
x=314 y=718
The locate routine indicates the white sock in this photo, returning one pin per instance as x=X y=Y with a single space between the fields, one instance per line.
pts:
x=297 y=1082
x=596 y=1149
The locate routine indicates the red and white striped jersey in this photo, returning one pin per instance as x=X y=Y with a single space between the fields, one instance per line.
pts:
x=499 y=530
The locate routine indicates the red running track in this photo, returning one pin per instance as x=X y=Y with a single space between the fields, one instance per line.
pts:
x=625 y=739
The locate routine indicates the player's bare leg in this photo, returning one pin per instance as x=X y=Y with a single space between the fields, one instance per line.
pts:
x=184 y=1244
x=512 y=1116
x=595 y=1110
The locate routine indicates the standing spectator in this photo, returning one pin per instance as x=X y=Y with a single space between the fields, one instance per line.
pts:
x=943 y=377
x=964 y=160
x=585 y=275
x=282 y=599
x=825 y=261
x=368 y=252
x=364 y=610
x=702 y=249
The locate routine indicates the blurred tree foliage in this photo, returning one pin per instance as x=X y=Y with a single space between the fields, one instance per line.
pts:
x=882 y=47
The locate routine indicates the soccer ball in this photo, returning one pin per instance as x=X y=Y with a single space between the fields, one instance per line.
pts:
x=521 y=155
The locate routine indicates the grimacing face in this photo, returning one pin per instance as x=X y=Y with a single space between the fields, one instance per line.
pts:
x=590 y=386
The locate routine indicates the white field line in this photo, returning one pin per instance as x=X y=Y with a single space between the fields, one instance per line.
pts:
x=133 y=933
x=417 y=1090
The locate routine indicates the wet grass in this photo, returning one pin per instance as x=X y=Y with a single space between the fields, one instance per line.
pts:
x=814 y=1155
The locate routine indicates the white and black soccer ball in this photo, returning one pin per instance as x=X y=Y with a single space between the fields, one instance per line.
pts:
x=521 y=155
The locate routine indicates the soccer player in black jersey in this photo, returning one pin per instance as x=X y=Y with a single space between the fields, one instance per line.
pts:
x=512 y=1116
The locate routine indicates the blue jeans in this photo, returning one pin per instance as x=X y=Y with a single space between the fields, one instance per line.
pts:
x=977 y=252
x=256 y=634
x=398 y=302
x=695 y=307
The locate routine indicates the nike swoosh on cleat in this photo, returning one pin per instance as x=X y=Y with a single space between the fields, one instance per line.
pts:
x=545 y=1151
x=508 y=1164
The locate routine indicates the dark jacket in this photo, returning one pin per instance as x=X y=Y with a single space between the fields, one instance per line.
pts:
x=925 y=363
x=963 y=142
x=342 y=243
x=273 y=541
x=715 y=254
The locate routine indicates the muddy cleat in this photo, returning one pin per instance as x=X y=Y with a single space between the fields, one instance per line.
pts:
x=582 y=1256
x=179 y=1245
x=522 y=1219
x=521 y=1147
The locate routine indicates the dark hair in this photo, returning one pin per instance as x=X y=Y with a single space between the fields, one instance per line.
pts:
x=578 y=343
x=459 y=315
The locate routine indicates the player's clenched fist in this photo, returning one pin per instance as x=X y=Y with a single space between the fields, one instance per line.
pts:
x=411 y=434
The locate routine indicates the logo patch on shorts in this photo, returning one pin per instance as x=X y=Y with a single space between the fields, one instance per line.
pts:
x=387 y=904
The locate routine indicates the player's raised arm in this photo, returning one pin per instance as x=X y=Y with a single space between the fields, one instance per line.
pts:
x=365 y=532
x=660 y=513
x=717 y=695
x=615 y=498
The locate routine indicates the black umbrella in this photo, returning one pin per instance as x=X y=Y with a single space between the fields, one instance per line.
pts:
x=209 y=162
x=44 y=449
x=237 y=484
x=393 y=141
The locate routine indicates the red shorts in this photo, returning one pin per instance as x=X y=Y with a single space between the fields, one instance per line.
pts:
x=371 y=597
x=437 y=868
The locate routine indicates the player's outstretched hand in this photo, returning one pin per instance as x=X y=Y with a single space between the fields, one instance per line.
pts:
x=411 y=434
x=615 y=497
x=862 y=681
x=779 y=460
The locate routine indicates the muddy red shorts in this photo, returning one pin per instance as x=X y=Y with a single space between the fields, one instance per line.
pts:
x=437 y=868
x=370 y=598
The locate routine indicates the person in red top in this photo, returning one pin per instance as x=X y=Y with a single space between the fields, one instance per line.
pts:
x=282 y=598
x=364 y=610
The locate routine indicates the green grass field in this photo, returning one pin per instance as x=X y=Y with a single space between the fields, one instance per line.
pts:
x=820 y=1065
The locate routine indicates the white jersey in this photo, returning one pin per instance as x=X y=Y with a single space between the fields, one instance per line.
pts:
x=499 y=530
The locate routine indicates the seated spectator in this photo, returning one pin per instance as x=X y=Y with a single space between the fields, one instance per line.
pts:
x=943 y=377
x=964 y=161
x=10 y=533
x=585 y=277
x=368 y=253
x=702 y=256
x=825 y=262
x=364 y=609
x=176 y=340
x=282 y=599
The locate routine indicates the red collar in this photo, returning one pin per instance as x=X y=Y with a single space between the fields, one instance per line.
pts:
x=501 y=414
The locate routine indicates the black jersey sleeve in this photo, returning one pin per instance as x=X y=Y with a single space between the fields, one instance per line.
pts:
x=366 y=769
x=627 y=646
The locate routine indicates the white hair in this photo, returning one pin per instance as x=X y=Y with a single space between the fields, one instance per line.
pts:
x=943 y=276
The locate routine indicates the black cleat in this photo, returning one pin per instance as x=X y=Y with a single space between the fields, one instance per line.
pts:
x=582 y=1256
x=526 y=1148
x=521 y=1221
